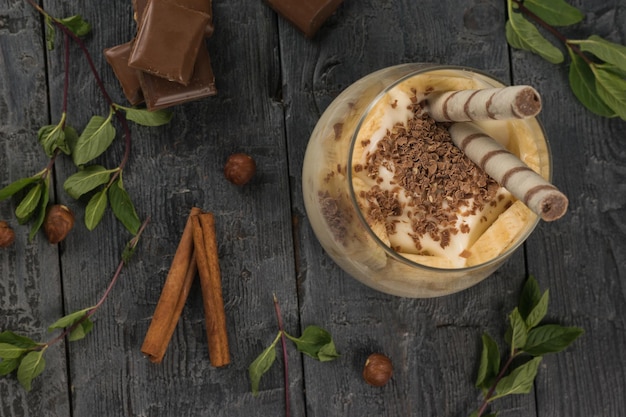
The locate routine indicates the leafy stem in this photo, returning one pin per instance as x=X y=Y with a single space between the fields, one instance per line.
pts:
x=314 y=342
x=528 y=341
x=522 y=8
x=24 y=355
x=283 y=341
x=597 y=69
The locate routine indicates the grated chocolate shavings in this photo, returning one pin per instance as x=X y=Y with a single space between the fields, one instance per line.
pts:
x=439 y=179
x=337 y=218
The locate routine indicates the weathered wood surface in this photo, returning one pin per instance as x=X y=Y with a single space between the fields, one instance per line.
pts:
x=273 y=86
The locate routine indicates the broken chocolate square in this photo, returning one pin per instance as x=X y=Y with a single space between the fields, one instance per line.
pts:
x=306 y=15
x=117 y=57
x=168 y=41
x=160 y=93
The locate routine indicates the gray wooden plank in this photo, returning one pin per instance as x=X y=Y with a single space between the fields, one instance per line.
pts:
x=30 y=283
x=582 y=256
x=171 y=169
x=434 y=343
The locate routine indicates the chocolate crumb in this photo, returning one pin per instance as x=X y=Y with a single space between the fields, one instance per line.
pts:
x=441 y=182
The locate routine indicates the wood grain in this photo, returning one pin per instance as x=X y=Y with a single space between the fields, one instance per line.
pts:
x=273 y=85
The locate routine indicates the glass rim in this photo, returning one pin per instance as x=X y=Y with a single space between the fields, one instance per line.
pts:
x=353 y=199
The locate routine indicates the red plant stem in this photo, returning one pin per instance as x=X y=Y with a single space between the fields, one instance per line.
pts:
x=120 y=116
x=66 y=82
x=552 y=30
x=285 y=358
x=485 y=403
x=116 y=276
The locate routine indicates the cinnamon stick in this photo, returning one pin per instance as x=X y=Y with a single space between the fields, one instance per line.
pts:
x=514 y=102
x=509 y=171
x=205 y=242
x=173 y=296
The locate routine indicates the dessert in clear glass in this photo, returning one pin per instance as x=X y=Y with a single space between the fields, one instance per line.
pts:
x=395 y=203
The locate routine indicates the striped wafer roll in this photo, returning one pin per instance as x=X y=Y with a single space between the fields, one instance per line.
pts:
x=516 y=102
x=509 y=171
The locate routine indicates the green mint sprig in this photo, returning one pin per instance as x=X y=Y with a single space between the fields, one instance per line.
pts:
x=25 y=357
x=103 y=186
x=314 y=342
x=528 y=341
x=597 y=68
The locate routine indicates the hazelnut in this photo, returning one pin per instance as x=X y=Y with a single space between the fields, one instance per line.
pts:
x=377 y=370
x=58 y=223
x=7 y=235
x=239 y=168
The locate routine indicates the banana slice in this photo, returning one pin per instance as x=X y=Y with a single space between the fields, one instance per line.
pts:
x=499 y=236
x=432 y=261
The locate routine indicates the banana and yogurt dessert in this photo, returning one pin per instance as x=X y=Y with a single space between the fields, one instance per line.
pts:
x=397 y=204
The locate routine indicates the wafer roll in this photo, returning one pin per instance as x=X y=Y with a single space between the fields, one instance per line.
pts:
x=509 y=171
x=516 y=102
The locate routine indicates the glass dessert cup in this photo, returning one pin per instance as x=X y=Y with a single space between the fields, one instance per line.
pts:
x=333 y=191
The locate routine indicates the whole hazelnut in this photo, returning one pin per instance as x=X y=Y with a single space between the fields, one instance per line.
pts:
x=58 y=223
x=377 y=370
x=239 y=168
x=7 y=235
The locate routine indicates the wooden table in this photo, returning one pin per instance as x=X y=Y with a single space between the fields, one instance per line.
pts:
x=273 y=86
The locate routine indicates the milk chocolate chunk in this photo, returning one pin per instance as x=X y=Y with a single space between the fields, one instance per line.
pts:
x=117 y=57
x=306 y=15
x=168 y=41
x=160 y=93
x=204 y=6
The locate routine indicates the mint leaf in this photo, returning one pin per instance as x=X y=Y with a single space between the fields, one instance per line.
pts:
x=612 y=90
x=261 y=365
x=77 y=25
x=27 y=206
x=538 y=312
x=123 y=208
x=312 y=341
x=522 y=34
x=530 y=297
x=489 y=363
x=145 y=117
x=612 y=68
x=18 y=185
x=8 y=336
x=31 y=366
x=520 y=380
x=41 y=209
x=8 y=365
x=519 y=330
x=95 y=209
x=50 y=33
x=69 y=320
x=9 y=351
x=87 y=179
x=550 y=338
x=81 y=330
x=610 y=52
x=52 y=137
x=95 y=139
x=555 y=12
x=583 y=84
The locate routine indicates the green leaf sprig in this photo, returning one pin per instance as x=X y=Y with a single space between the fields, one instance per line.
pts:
x=103 y=186
x=314 y=342
x=597 y=70
x=23 y=355
x=528 y=341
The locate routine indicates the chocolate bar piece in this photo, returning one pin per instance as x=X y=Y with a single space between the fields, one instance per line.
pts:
x=117 y=57
x=160 y=93
x=168 y=41
x=204 y=6
x=306 y=15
